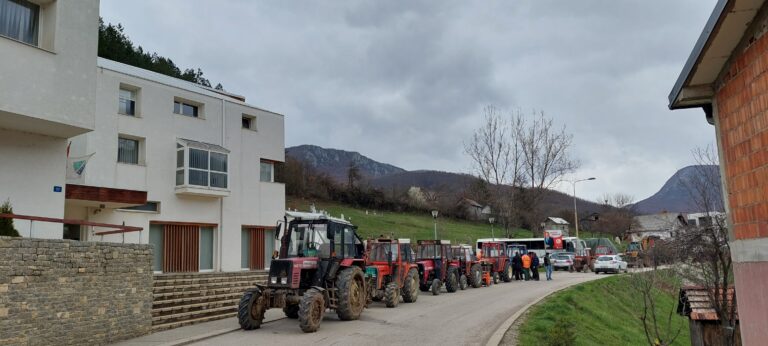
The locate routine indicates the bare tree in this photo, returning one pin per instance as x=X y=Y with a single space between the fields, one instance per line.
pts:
x=545 y=159
x=618 y=215
x=521 y=160
x=705 y=246
x=657 y=322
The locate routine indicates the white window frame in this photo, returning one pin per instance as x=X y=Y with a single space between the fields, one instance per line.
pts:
x=272 y=171
x=39 y=30
x=185 y=168
x=135 y=94
x=141 y=147
x=200 y=108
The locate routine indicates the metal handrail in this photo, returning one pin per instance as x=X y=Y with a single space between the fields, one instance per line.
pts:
x=117 y=228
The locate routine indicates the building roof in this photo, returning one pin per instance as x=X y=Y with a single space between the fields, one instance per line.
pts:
x=724 y=30
x=657 y=222
x=557 y=220
x=696 y=304
x=174 y=82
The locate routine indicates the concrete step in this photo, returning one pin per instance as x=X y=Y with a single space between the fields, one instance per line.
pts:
x=159 y=297
x=193 y=314
x=186 y=281
x=194 y=307
x=158 y=304
x=169 y=325
x=203 y=286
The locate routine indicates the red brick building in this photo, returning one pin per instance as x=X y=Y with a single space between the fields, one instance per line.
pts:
x=727 y=76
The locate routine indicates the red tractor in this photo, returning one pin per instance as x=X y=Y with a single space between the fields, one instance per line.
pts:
x=470 y=269
x=435 y=268
x=391 y=271
x=320 y=266
x=495 y=255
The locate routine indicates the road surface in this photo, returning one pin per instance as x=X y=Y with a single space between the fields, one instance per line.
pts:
x=466 y=317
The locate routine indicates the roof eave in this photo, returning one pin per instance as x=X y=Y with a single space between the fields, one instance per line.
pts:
x=674 y=96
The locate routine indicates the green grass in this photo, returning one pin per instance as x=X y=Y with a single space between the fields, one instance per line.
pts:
x=604 y=312
x=408 y=225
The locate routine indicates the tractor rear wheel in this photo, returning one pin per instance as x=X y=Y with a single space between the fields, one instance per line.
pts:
x=311 y=311
x=476 y=276
x=410 y=289
x=451 y=281
x=392 y=295
x=291 y=311
x=351 y=294
x=508 y=273
x=463 y=282
x=436 y=287
x=250 y=311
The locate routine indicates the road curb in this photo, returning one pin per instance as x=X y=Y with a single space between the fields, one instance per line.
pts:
x=498 y=335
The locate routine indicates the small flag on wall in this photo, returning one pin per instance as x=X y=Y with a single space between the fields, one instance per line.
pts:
x=76 y=166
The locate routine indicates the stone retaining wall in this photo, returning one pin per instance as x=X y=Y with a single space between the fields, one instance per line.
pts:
x=65 y=292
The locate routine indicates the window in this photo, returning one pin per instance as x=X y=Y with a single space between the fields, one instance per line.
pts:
x=128 y=150
x=19 y=20
x=127 y=104
x=149 y=207
x=267 y=172
x=249 y=122
x=186 y=108
x=199 y=165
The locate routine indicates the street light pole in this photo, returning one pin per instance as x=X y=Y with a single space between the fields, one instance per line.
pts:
x=575 y=212
x=491 y=220
x=434 y=216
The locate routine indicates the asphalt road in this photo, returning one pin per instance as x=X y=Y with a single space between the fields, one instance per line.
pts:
x=463 y=318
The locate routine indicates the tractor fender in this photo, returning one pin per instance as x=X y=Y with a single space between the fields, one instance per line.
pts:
x=351 y=262
x=322 y=291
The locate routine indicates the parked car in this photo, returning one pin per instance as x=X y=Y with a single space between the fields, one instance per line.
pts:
x=610 y=263
x=562 y=261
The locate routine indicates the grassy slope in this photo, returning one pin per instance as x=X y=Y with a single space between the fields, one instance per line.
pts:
x=407 y=225
x=604 y=313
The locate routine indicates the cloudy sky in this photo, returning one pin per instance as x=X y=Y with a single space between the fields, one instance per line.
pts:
x=405 y=82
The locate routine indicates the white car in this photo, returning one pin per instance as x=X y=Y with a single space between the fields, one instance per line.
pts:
x=610 y=263
x=562 y=261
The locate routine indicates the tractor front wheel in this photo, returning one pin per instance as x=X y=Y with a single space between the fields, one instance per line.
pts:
x=410 y=289
x=495 y=278
x=351 y=292
x=436 y=287
x=311 y=311
x=476 y=276
x=463 y=282
x=291 y=311
x=392 y=295
x=451 y=281
x=250 y=311
x=508 y=273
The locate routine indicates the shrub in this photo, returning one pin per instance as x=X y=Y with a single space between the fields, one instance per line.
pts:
x=6 y=224
x=563 y=333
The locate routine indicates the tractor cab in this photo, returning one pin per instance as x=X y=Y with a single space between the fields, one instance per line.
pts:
x=391 y=271
x=514 y=249
x=433 y=260
x=495 y=255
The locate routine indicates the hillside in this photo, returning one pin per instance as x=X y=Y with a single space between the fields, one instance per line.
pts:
x=406 y=225
x=674 y=196
x=336 y=162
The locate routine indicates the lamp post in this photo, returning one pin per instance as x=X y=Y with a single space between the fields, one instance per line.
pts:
x=434 y=216
x=491 y=220
x=575 y=213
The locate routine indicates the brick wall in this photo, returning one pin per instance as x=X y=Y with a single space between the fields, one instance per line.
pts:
x=742 y=105
x=65 y=292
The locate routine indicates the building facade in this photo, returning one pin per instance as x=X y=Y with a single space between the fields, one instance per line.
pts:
x=727 y=76
x=47 y=94
x=205 y=159
x=191 y=166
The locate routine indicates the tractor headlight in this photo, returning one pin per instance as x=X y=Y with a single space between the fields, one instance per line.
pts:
x=273 y=279
x=284 y=280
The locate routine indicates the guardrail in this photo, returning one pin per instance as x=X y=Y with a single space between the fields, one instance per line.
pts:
x=117 y=229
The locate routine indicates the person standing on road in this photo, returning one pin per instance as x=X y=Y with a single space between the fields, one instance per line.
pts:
x=548 y=266
x=535 y=266
x=526 y=266
x=517 y=266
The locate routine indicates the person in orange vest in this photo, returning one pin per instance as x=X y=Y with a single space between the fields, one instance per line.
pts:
x=527 y=267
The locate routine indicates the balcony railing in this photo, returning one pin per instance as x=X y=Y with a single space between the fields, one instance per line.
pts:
x=115 y=229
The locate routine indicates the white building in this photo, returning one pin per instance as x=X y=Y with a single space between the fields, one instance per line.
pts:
x=192 y=166
x=47 y=94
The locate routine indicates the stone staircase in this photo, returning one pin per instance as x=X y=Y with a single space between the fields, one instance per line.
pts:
x=187 y=298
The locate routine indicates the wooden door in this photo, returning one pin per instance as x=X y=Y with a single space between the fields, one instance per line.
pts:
x=256 y=261
x=181 y=248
